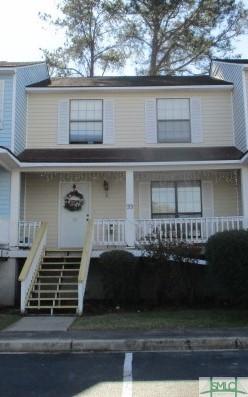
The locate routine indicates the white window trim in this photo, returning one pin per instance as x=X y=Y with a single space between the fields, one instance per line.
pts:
x=78 y=121
x=189 y=119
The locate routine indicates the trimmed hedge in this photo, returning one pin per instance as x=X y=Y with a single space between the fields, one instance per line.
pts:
x=119 y=273
x=227 y=256
x=152 y=280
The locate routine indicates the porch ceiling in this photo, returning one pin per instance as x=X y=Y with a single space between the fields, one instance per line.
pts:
x=130 y=155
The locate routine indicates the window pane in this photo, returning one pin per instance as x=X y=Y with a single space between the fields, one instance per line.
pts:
x=189 y=197
x=86 y=132
x=84 y=110
x=173 y=109
x=163 y=198
x=174 y=131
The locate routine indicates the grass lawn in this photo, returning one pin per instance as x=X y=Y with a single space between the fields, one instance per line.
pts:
x=163 y=319
x=7 y=318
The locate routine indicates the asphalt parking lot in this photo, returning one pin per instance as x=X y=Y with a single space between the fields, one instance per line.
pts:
x=115 y=374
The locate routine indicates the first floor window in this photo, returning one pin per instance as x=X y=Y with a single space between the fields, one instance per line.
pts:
x=86 y=121
x=176 y=199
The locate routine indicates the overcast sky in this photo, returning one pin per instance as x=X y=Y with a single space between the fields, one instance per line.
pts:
x=23 y=33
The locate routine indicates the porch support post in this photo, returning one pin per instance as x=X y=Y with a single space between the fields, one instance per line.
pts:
x=244 y=193
x=130 y=222
x=14 y=207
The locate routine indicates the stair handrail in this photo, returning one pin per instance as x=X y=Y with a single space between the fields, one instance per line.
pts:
x=31 y=264
x=84 y=264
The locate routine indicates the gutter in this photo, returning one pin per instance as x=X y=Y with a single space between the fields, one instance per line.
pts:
x=128 y=164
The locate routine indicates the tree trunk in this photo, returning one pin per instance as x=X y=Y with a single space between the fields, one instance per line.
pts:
x=154 y=53
x=92 y=61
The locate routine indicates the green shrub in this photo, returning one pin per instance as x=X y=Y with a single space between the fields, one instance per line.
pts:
x=175 y=277
x=119 y=277
x=227 y=256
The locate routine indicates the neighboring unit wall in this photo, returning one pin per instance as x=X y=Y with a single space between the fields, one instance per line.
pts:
x=25 y=76
x=4 y=206
x=246 y=85
x=234 y=73
x=4 y=194
x=6 y=127
x=129 y=117
x=8 y=275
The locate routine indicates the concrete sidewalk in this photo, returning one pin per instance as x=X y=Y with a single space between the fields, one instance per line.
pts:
x=41 y=323
x=113 y=341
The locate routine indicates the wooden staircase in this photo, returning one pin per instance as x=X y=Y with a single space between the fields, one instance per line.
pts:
x=55 y=286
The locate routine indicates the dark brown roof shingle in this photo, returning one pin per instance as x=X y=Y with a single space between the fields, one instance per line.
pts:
x=135 y=155
x=131 y=81
x=237 y=60
x=5 y=64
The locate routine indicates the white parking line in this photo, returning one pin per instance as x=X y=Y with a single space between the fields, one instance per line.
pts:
x=127 y=388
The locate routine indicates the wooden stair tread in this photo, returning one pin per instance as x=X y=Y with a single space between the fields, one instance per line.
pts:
x=58 y=270
x=53 y=299
x=55 y=284
x=47 y=291
x=52 y=307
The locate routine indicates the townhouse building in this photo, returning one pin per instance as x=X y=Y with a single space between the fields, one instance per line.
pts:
x=109 y=161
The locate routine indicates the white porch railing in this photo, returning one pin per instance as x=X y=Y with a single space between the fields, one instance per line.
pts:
x=27 y=232
x=31 y=265
x=109 y=232
x=113 y=232
x=192 y=230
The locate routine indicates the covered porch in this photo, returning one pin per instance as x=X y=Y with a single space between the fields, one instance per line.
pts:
x=128 y=207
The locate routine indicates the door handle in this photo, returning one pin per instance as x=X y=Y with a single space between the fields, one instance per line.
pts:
x=87 y=218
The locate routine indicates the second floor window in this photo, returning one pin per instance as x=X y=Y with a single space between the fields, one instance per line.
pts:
x=86 y=121
x=173 y=118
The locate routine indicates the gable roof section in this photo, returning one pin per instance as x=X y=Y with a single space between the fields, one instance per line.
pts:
x=238 y=60
x=129 y=155
x=131 y=81
x=5 y=64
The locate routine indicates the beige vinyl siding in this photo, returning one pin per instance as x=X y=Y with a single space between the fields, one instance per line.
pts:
x=42 y=117
x=111 y=204
x=42 y=202
x=226 y=195
x=226 y=199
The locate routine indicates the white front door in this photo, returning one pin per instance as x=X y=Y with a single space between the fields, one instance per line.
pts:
x=74 y=213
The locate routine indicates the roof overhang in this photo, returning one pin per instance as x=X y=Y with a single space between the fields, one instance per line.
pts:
x=44 y=90
x=7 y=71
x=8 y=160
x=11 y=162
x=148 y=166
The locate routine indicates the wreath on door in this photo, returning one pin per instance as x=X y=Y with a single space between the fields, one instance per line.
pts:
x=74 y=200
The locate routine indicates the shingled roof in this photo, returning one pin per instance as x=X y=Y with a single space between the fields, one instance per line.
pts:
x=135 y=155
x=131 y=81
x=238 y=60
x=5 y=64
